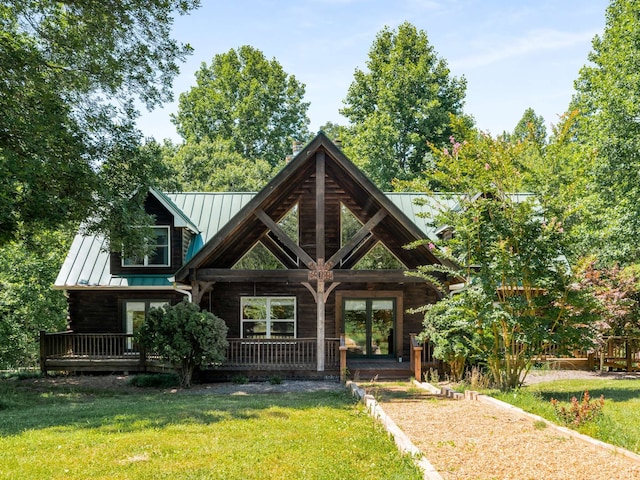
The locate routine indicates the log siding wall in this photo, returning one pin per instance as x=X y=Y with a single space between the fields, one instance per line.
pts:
x=224 y=301
x=100 y=311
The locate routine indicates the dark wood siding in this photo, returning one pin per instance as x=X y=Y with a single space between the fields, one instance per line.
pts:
x=102 y=311
x=224 y=301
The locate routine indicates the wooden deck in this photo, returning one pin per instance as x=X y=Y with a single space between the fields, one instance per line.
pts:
x=293 y=358
x=117 y=352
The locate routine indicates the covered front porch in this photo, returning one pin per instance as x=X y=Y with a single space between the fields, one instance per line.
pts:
x=296 y=357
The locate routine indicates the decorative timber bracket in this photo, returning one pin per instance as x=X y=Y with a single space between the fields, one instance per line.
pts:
x=321 y=274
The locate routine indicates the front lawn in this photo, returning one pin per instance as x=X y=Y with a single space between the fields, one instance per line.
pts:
x=78 y=433
x=620 y=423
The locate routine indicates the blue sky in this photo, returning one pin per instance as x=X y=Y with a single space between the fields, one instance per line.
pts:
x=514 y=54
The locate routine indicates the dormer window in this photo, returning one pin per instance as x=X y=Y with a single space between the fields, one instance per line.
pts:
x=159 y=257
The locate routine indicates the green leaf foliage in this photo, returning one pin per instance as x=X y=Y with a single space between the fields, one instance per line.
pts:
x=530 y=127
x=524 y=295
x=452 y=326
x=400 y=104
x=213 y=166
x=185 y=336
x=71 y=72
x=248 y=101
x=28 y=304
x=608 y=98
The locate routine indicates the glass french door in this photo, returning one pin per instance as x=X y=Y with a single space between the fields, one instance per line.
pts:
x=368 y=326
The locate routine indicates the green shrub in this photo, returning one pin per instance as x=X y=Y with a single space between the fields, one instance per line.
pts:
x=185 y=336
x=275 y=380
x=155 y=380
x=240 y=380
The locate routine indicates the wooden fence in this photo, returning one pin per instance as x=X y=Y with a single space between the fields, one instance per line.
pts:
x=620 y=353
x=615 y=353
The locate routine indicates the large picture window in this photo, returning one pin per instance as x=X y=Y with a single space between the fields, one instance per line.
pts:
x=159 y=257
x=268 y=317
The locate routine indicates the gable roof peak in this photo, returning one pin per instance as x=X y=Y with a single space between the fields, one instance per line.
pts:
x=179 y=217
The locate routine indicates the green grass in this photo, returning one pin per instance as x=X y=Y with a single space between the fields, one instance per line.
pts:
x=620 y=422
x=75 y=433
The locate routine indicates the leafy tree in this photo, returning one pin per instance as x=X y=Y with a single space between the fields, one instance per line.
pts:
x=399 y=105
x=617 y=291
x=333 y=130
x=208 y=166
x=513 y=253
x=120 y=211
x=561 y=177
x=450 y=325
x=71 y=72
x=28 y=268
x=532 y=127
x=185 y=336
x=247 y=100
x=608 y=97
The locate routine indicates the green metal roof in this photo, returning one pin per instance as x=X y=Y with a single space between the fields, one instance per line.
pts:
x=87 y=264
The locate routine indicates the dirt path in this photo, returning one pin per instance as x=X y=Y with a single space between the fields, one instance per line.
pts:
x=474 y=440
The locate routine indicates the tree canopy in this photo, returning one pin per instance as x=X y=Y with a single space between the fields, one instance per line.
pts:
x=71 y=74
x=208 y=166
x=522 y=295
x=400 y=104
x=28 y=304
x=531 y=126
x=247 y=101
x=608 y=99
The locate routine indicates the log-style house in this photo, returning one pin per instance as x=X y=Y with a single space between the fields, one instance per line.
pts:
x=308 y=274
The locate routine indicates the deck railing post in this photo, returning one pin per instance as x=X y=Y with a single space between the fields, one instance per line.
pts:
x=343 y=359
x=411 y=352
x=143 y=358
x=415 y=357
x=43 y=352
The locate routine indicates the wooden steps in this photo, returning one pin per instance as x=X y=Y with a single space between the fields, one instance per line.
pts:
x=366 y=369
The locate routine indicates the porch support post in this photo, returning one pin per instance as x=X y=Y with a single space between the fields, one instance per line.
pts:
x=43 y=352
x=322 y=274
x=320 y=319
x=343 y=359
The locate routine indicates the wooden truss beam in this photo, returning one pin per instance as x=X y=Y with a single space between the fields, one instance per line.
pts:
x=360 y=235
x=284 y=238
x=302 y=275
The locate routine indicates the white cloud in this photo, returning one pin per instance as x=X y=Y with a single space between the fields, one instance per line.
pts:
x=535 y=41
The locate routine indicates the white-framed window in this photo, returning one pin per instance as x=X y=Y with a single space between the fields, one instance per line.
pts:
x=268 y=317
x=160 y=256
x=136 y=313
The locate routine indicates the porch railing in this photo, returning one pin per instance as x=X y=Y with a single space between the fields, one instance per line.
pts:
x=258 y=354
x=82 y=349
x=297 y=353
x=69 y=345
x=620 y=353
